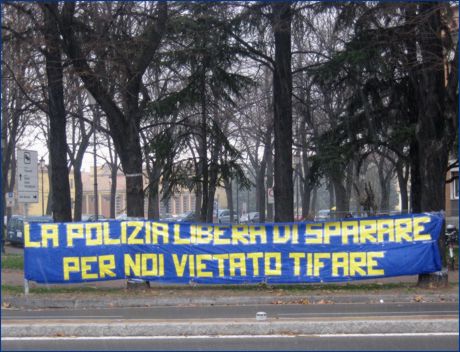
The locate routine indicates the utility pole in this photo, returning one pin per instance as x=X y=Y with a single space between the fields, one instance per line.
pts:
x=42 y=166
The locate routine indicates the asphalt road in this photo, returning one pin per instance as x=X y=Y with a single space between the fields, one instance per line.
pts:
x=393 y=342
x=274 y=311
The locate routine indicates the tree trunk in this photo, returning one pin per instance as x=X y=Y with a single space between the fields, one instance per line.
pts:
x=229 y=195
x=62 y=211
x=198 y=199
x=270 y=184
x=203 y=149
x=124 y=126
x=433 y=133
x=113 y=188
x=313 y=201
x=154 y=205
x=384 y=182
x=340 y=197
x=260 y=188
x=131 y=160
x=330 y=189
x=78 y=192
x=402 y=182
x=282 y=95
x=213 y=175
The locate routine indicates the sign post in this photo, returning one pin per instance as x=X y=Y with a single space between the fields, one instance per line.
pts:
x=27 y=174
x=270 y=196
x=10 y=199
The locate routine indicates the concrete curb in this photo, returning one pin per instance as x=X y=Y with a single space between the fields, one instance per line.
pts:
x=193 y=328
x=107 y=302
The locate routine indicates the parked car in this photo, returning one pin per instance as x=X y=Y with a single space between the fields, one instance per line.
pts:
x=323 y=215
x=188 y=217
x=223 y=216
x=124 y=217
x=252 y=217
x=91 y=218
x=15 y=227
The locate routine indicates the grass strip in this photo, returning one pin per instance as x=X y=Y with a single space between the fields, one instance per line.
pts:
x=13 y=261
x=286 y=289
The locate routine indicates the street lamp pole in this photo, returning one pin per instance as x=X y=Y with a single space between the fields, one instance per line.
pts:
x=42 y=166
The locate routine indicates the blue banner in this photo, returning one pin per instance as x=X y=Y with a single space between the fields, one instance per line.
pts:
x=331 y=251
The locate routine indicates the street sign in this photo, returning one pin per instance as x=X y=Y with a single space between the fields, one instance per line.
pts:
x=270 y=196
x=27 y=175
x=10 y=199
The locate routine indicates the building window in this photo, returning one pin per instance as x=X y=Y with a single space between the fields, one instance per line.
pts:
x=118 y=204
x=454 y=186
x=192 y=202
x=185 y=206
x=177 y=209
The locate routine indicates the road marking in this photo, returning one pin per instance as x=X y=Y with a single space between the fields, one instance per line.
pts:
x=392 y=334
x=13 y=317
x=180 y=337
x=423 y=312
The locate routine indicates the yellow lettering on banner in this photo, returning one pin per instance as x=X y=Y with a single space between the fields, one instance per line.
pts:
x=136 y=229
x=237 y=261
x=97 y=227
x=318 y=264
x=218 y=233
x=191 y=264
x=152 y=258
x=339 y=261
x=107 y=239
x=385 y=227
x=70 y=265
x=309 y=264
x=161 y=230
x=368 y=231
x=255 y=256
x=277 y=237
x=240 y=234
x=27 y=242
x=316 y=231
x=161 y=265
x=350 y=229
x=203 y=234
x=220 y=262
x=86 y=267
x=201 y=267
x=132 y=266
x=177 y=238
x=331 y=229
x=106 y=265
x=50 y=232
x=371 y=263
x=74 y=231
x=403 y=229
x=148 y=232
x=180 y=265
x=257 y=231
x=357 y=261
x=296 y=256
x=295 y=234
x=276 y=271
x=123 y=232
x=419 y=228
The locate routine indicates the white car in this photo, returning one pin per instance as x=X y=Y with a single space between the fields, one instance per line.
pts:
x=323 y=215
x=252 y=217
x=223 y=216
